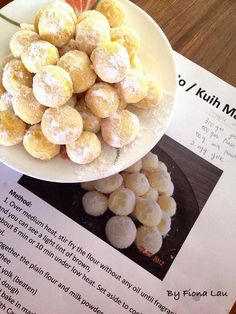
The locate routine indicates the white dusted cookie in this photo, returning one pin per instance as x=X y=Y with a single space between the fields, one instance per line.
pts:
x=137 y=182
x=167 y=204
x=150 y=162
x=148 y=212
x=91 y=123
x=113 y=10
x=148 y=240
x=165 y=224
x=95 y=203
x=109 y=184
x=122 y=201
x=20 y=40
x=136 y=167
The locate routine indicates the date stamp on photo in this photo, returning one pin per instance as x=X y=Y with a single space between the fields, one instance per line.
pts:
x=194 y=294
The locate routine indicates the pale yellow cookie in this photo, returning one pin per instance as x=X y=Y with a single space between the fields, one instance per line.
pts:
x=78 y=65
x=120 y=129
x=109 y=184
x=15 y=75
x=138 y=183
x=165 y=224
x=111 y=62
x=160 y=181
x=133 y=87
x=91 y=122
x=102 y=99
x=120 y=231
x=167 y=204
x=85 y=149
x=92 y=14
x=52 y=86
x=113 y=10
x=127 y=37
x=95 y=203
x=21 y=40
x=151 y=194
x=148 y=240
x=150 y=162
x=122 y=201
x=153 y=97
x=12 y=128
x=148 y=212
x=38 y=54
x=62 y=125
x=135 y=167
x=91 y=32
x=37 y=145
x=27 y=107
x=6 y=101
x=56 y=26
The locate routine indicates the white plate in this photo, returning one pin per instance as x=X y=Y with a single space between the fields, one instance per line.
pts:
x=156 y=54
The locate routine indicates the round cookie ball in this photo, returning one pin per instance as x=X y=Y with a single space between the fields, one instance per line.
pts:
x=78 y=65
x=169 y=190
x=151 y=194
x=85 y=149
x=165 y=224
x=15 y=76
x=133 y=87
x=52 y=86
x=153 y=97
x=167 y=204
x=102 y=99
x=110 y=62
x=150 y=162
x=94 y=203
x=92 y=14
x=70 y=46
x=113 y=10
x=12 y=128
x=148 y=212
x=135 y=167
x=37 y=145
x=120 y=231
x=56 y=26
x=6 y=101
x=27 y=107
x=148 y=240
x=109 y=184
x=38 y=54
x=162 y=166
x=160 y=181
x=127 y=37
x=138 y=183
x=21 y=40
x=88 y=186
x=120 y=129
x=91 y=123
x=62 y=125
x=122 y=201
x=91 y=32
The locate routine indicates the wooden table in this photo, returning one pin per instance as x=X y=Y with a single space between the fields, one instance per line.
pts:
x=203 y=31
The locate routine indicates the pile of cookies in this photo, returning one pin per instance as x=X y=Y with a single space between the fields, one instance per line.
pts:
x=142 y=193
x=68 y=81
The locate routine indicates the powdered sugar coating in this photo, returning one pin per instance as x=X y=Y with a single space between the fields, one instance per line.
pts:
x=20 y=40
x=122 y=201
x=85 y=149
x=12 y=128
x=92 y=14
x=150 y=162
x=108 y=185
x=52 y=86
x=27 y=107
x=137 y=182
x=151 y=194
x=133 y=87
x=120 y=231
x=148 y=240
x=165 y=224
x=38 y=54
x=160 y=181
x=111 y=62
x=78 y=65
x=120 y=129
x=94 y=203
x=113 y=10
x=5 y=101
x=91 y=32
x=102 y=99
x=15 y=76
x=37 y=145
x=148 y=212
x=91 y=122
x=167 y=204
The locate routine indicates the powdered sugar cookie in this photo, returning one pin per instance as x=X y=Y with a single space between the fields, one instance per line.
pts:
x=12 y=128
x=27 y=107
x=111 y=62
x=148 y=212
x=78 y=65
x=165 y=224
x=95 y=203
x=150 y=162
x=102 y=99
x=62 y=125
x=109 y=184
x=52 y=86
x=39 y=54
x=135 y=167
x=133 y=87
x=120 y=129
x=20 y=40
x=167 y=204
x=93 y=14
x=37 y=145
x=151 y=194
x=159 y=180
x=122 y=201
x=91 y=122
x=148 y=240
x=85 y=149
x=113 y=10
x=6 y=101
x=138 y=183
x=15 y=75
x=120 y=231
x=91 y=32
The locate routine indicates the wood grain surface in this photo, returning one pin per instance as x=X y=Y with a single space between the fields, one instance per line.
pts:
x=203 y=31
